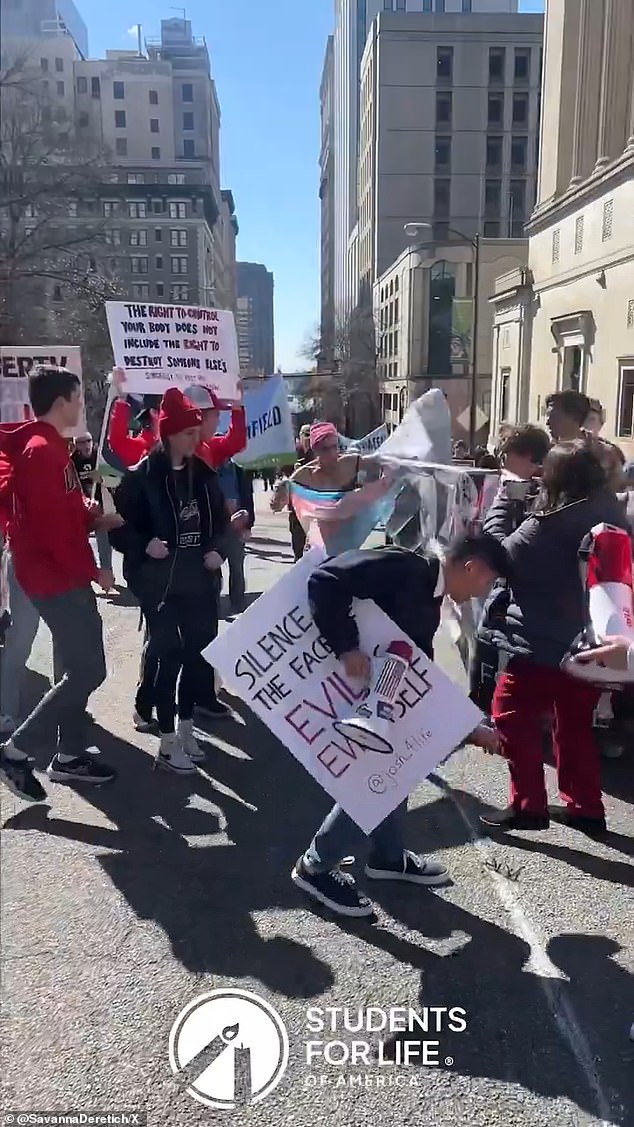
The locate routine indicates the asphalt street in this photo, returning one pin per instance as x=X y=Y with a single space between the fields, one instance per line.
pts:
x=122 y=904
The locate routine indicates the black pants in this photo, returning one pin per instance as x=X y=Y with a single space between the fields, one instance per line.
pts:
x=146 y=692
x=483 y=674
x=298 y=536
x=177 y=633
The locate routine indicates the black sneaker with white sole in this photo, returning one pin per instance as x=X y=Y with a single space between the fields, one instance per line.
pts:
x=17 y=775
x=336 y=890
x=82 y=769
x=412 y=869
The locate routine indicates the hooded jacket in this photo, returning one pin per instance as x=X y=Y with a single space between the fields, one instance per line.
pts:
x=214 y=451
x=44 y=511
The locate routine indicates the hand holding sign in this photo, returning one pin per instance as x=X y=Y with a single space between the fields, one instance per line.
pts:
x=357 y=666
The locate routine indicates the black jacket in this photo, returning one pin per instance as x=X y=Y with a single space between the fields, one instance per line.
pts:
x=546 y=602
x=245 y=493
x=401 y=583
x=146 y=499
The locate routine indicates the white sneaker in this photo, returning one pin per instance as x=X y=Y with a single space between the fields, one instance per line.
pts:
x=7 y=725
x=171 y=756
x=189 y=743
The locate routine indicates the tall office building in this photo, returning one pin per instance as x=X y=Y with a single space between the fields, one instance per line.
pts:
x=254 y=318
x=38 y=19
x=449 y=120
x=353 y=19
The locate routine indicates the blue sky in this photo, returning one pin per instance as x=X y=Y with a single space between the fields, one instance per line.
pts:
x=267 y=57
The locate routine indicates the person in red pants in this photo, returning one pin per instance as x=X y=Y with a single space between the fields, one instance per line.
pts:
x=545 y=613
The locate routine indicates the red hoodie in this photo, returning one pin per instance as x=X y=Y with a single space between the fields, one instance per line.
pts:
x=47 y=515
x=214 y=451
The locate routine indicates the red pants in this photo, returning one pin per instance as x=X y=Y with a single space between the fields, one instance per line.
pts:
x=524 y=694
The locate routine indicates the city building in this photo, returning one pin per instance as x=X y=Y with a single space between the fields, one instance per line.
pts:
x=578 y=300
x=423 y=310
x=225 y=235
x=254 y=320
x=327 y=201
x=449 y=120
x=353 y=19
x=40 y=19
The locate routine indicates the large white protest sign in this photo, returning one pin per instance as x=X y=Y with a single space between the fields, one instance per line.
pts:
x=276 y=661
x=15 y=364
x=162 y=346
x=368 y=445
x=271 y=439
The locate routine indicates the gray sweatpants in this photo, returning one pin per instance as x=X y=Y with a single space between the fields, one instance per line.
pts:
x=75 y=624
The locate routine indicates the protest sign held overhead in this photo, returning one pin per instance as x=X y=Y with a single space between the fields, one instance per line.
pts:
x=276 y=661
x=368 y=445
x=162 y=346
x=15 y=364
x=271 y=439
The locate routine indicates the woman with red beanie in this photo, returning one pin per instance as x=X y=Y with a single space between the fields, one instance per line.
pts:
x=173 y=549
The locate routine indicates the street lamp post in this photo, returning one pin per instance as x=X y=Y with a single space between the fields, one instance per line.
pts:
x=412 y=229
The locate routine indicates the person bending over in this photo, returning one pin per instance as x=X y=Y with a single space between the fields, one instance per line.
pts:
x=409 y=588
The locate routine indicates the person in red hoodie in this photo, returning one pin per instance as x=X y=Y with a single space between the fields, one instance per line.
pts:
x=48 y=524
x=213 y=449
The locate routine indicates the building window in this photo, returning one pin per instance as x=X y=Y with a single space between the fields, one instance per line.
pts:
x=60 y=89
x=443 y=152
x=188 y=120
x=158 y=234
x=121 y=147
x=188 y=92
x=492 y=229
x=57 y=293
x=440 y=7
x=579 y=234
x=444 y=63
x=179 y=264
x=555 y=247
x=140 y=291
x=497 y=59
x=109 y=207
x=157 y=207
x=443 y=108
x=180 y=292
x=154 y=125
x=156 y=152
x=520 y=109
x=495 y=115
x=59 y=65
x=626 y=403
x=160 y=289
x=442 y=197
x=494 y=153
x=177 y=210
x=630 y=313
x=118 y=91
x=522 y=67
x=95 y=87
x=159 y=261
x=189 y=149
x=139 y=264
x=136 y=178
x=176 y=178
x=467 y=6
x=72 y=210
x=492 y=197
x=505 y=392
x=138 y=238
x=113 y=237
x=119 y=119
x=83 y=120
x=519 y=149
x=518 y=199
x=178 y=238
x=82 y=85
x=44 y=64
x=137 y=209
x=608 y=211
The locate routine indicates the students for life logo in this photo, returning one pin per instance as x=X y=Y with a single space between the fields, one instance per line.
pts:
x=229 y=1049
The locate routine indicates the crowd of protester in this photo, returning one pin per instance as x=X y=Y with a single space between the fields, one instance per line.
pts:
x=184 y=507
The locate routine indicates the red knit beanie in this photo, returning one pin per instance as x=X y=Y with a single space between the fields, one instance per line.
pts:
x=177 y=413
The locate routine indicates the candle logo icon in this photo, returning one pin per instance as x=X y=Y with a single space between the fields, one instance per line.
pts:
x=228 y=1048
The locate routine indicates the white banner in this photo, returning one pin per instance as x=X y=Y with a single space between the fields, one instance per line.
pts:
x=368 y=445
x=276 y=661
x=16 y=362
x=162 y=346
x=271 y=440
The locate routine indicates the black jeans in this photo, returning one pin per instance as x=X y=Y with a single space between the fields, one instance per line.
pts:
x=298 y=536
x=80 y=667
x=146 y=691
x=177 y=633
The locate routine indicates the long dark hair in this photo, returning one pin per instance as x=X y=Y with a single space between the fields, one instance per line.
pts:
x=572 y=472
